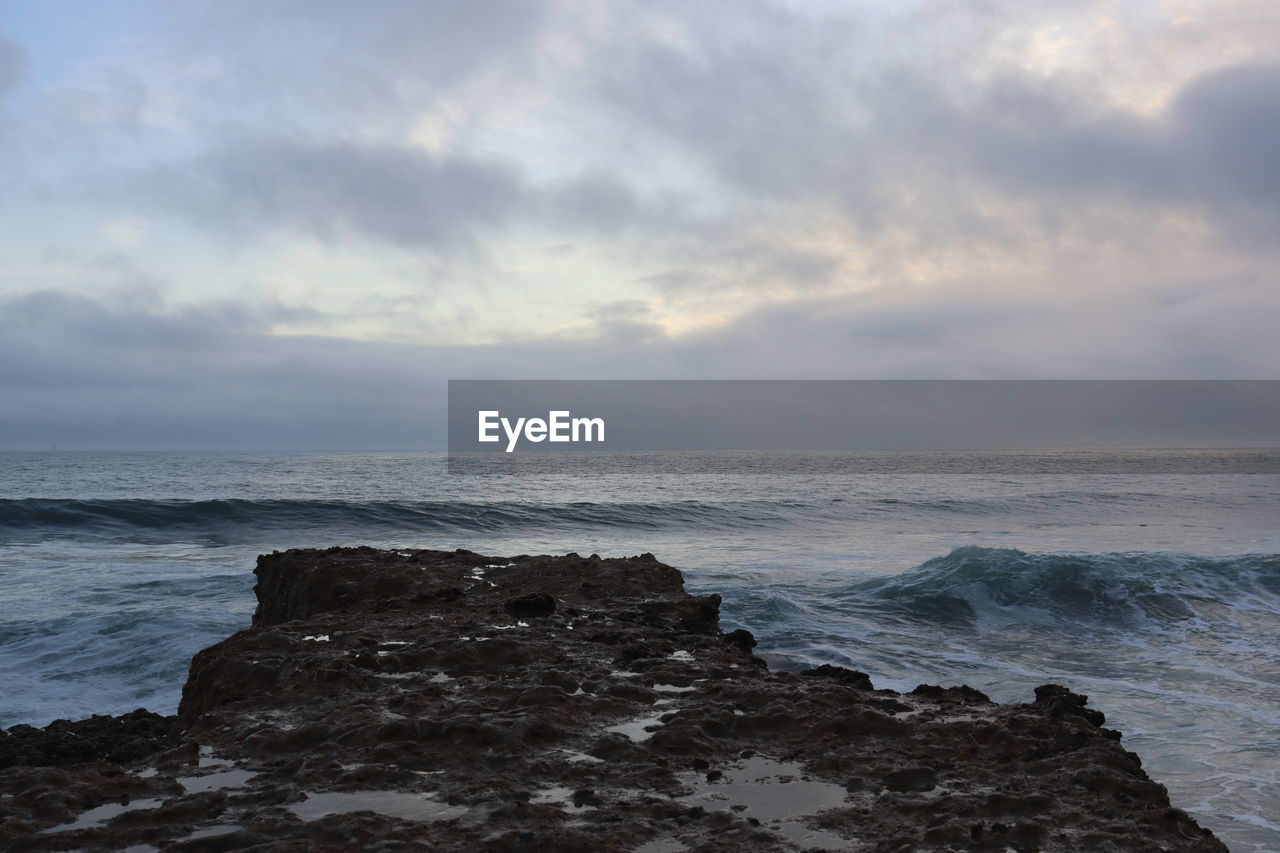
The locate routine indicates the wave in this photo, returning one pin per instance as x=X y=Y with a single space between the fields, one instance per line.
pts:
x=993 y=587
x=22 y=520
x=1033 y=502
x=244 y=520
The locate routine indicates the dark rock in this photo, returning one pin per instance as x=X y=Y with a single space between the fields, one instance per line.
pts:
x=401 y=674
x=851 y=677
x=1058 y=702
x=530 y=606
x=121 y=739
x=585 y=797
x=961 y=694
x=911 y=779
x=742 y=639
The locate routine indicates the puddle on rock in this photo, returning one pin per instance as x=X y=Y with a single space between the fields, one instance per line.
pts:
x=103 y=813
x=556 y=795
x=212 y=831
x=222 y=780
x=636 y=729
x=774 y=793
x=419 y=807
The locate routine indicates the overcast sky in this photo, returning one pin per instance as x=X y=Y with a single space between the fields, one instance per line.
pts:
x=283 y=223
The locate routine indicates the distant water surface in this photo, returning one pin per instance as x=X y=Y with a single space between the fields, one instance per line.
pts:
x=1157 y=593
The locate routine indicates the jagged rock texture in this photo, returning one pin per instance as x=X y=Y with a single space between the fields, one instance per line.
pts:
x=575 y=704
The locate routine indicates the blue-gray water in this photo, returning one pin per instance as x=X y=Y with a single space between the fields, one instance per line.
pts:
x=1156 y=594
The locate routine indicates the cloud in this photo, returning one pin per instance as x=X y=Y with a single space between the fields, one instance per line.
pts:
x=814 y=112
x=594 y=202
x=12 y=63
x=765 y=110
x=113 y=100
x=82 y=372
x=303 y=65
x=1230 y=120
x=406 y=197
x=671 y=132
x=337 y=192
x=782 y=189
x=1209 y=149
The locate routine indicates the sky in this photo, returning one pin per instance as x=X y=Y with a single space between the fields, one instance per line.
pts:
x=285 y=223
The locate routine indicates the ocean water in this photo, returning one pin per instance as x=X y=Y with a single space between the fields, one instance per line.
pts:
x=1157 y=594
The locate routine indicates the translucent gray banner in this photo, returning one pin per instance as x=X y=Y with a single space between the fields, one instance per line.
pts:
x=867 y=426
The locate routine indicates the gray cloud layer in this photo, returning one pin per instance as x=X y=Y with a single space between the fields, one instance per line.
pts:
x=81 y=373
x=777 y=121
x=766 y=192
x=336 y=192
x=11 y=64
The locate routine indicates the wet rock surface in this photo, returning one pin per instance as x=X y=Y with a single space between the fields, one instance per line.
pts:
x=426 y=700
x=121 y=739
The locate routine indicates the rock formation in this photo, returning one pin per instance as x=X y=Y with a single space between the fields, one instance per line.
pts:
x=406 y=700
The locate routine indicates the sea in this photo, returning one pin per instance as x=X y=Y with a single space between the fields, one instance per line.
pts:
x=1154 y=591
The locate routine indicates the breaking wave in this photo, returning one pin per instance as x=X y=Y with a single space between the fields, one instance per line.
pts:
x=1121 y=591
x=241 y=520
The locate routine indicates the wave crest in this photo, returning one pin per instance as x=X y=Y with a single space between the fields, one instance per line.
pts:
x=149 y=520
x=1121 y=591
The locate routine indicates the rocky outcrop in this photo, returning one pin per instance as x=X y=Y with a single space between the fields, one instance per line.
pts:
x=120 y=739
x=451 y=701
